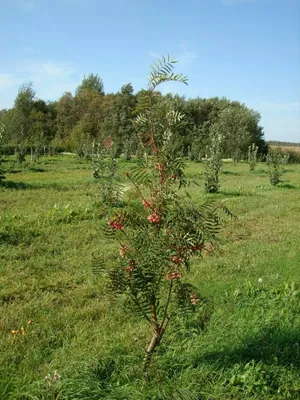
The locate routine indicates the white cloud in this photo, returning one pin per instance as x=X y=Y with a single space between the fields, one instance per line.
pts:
x=50 y=79
x=6 y=80
x=39 y=70
x=55 y=69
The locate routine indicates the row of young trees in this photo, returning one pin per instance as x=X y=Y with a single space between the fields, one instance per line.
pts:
x=73 y=123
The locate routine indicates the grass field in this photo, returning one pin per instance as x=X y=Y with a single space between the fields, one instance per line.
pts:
x=49 y=229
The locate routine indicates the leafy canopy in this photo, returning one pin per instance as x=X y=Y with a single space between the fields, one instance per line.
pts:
x=91 y=83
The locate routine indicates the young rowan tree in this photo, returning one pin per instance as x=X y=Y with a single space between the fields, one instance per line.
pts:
x=161 y=230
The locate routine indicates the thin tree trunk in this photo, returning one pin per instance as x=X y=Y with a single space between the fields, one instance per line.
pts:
x=150 y=350
x=155 y=338
x=158 y=328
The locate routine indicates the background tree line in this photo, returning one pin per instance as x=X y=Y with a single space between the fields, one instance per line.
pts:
x=74 y=122
x=279 y=143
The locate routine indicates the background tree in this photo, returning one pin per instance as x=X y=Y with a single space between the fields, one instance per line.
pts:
x=91 y=83
x=94 y=116
x=42 y=129
x=125 y=104
x=66 y=119
x=98 y=115
x=24 y=104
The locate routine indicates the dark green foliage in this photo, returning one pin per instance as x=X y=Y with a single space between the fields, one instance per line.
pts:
x=2 y=176
x=73 y=122
x=20 y=154
x=122 y=119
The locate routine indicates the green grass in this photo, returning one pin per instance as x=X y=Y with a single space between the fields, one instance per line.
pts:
x=49 y=229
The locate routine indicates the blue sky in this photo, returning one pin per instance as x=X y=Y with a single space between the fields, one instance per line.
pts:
x=246 y=50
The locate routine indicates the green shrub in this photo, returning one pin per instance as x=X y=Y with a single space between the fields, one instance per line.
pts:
x=275 y=161
x=213 y=166
x=105 y=169
x=252 y=156
x=20 y=154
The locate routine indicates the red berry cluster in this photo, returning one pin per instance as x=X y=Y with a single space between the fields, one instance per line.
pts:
x=159 y=167
x=176 y=259
x=123 y=250
x=194 y=299
x=197 y=247
x=147 y=203
x=173 y=275
x=116 y=224
x=154 y=218
x=130 y=266
x=108 y=142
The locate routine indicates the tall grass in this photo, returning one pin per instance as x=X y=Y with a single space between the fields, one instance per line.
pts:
x=293 y=153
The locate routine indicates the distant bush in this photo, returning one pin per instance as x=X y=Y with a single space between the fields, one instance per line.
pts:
x=275 y=160
x=213 y=166
x=252 y=156
x=293 y=156
x=105 y=169
x=20 y=154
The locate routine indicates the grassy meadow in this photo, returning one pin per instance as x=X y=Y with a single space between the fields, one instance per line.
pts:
x=50 y=215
